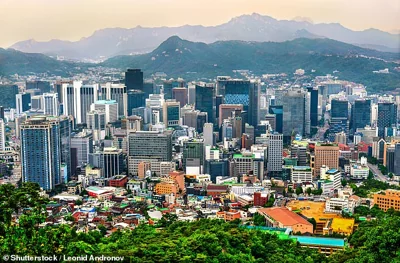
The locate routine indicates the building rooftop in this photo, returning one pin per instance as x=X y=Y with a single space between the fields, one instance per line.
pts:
x=284 y=216
x=320 y=241
x=239 y=155
x=302 y=168
x=106 y=102
x=332 y=171
x=311 y=209
x=343 y=224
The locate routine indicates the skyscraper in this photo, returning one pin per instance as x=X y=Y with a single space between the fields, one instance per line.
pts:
x=41 y=152
x=180 y=95
x=225 y=111
x=397 y=159
x=50 y=103
x=83 y=144
x=117 y=92
x=150 y=145
x=208 y=134
x=7 y=100
x=387 y=116
x=78 y=98
x=2 y=136
x=65 y=139
x=339 y=118
x=110 y=107
x=171 y=113
x=314 y=107
x=96 y=121
x=205 y=100
x=277 y=110
x=136 y=99
x=275 y=149
x=134 y=79
x=293 y=105
x=23 y=101
x=360 y=114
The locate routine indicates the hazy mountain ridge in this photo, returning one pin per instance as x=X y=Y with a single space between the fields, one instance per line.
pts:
x=118 y=41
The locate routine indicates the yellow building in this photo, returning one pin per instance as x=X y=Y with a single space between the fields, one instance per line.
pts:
x=167 y=187
x=342 y=226
x=390 y=198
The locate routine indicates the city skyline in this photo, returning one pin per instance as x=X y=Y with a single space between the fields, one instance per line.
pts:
x=72 y=20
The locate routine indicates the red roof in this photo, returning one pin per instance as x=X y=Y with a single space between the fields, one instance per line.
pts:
x=284 y=216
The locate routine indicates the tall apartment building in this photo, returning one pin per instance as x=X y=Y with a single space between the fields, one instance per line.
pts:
x=326 y=154
x=41 y=152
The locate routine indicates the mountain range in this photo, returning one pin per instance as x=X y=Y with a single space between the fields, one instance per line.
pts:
x=109 y=42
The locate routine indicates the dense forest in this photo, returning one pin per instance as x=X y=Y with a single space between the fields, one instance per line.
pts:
x=177 y=241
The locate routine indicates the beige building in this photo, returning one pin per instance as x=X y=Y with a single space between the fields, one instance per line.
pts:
x=326 y=154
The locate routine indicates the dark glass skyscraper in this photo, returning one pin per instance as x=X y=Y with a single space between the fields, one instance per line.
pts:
x=387 y=116
x=278 y=111
x=205 y=98
x=360 y=114
x=136 y=99
x=7 y=98
x=339 y=109
x=314 y=107
x=134 y=79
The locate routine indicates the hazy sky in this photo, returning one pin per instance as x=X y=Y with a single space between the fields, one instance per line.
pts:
x=73 y=19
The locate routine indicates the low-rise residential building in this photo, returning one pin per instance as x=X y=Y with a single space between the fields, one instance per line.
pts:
x=359 y=171
x=301 y=174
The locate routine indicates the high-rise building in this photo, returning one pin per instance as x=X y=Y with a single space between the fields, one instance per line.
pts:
x=396 y=163
x=2 y=112
x=225 y=111
x=134 y=79
x=180 y=95
x=136 y=99
x=2 y=136
x=205 y=100
x=339 y=118
x=171 y=113
x=300 y=153
x=83 y=144
x=293 y=103
x=277 y=110
x=78 y=98
x=43 y=86
x=117 y=92
x=387 y=116
x=65 y=134
x=242 y=92
x=37 y=102
x=110 y=107
x=50 y=103
x=314 y=107
x=193 y=151
x=339 y=109
x=360 y=114
x=41 y=152
x=216 y=168
x=23 y=102
x=326 y=154
x=275 y=150
x=208 y=134
x=113 y=162
x=8 y=95
x=96 y=121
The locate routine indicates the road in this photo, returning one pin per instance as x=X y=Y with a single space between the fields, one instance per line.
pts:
x=374 y=169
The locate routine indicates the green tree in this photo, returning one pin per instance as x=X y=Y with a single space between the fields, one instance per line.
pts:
x=299 y=190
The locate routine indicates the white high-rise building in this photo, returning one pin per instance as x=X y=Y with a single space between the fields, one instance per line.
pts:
x=110 y=107
x=118 y=93
x=2 y=136
x=50 y=104
x=78 y=98
x=275 y=148
x=208 y=134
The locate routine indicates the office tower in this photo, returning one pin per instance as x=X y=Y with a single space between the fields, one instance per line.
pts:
x=241 y=92
x=83 y=144
x=271 y=119
x=202 y=118
x=193 y=153
x=23 y=101
x=37 y=102
x=171 y=113
x=396 y=162
x=110 y=107
x=216 y=168
x=180 y=95
x=274 y=157
x=360 y=114
x=301 y=174
x=136 y=99
x=112 y=162
x=43 y=86
x=41 y=152
x=250 y=131
x=225 y=111
x=167 y=89
x=149 y=88
x=387 y=116
x=299 y=152
x=65 y=135
x=313 y=106
x=150 y=145
x=237 y=127
x=190 y=118
x=226 y=130
x=2 y=136
x=78 y=98
x=307 y=114
x=205 y=100
x=293 y=105
x=134 y=79
x=50 y=103
x=117 y=92
x=192 y=94
x=96 y=122
x=388 y=157
x=208 y=134
x=326 y=154
x=341 y=138
x=8 y=95
x=339 y=121
x=132 y=123
x=1 y=112
x=277 y=110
